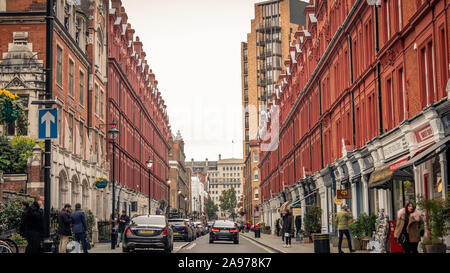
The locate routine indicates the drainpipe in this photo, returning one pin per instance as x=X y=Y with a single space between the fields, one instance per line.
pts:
x=293 y=141
x=377 y=49
x=351 y=81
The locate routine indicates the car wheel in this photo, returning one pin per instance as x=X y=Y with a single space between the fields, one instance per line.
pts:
x=236 y=241
x=211 y=241
x=125 y=250
x=168 y=250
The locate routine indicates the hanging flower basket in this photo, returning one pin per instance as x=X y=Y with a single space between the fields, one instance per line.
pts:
x=101 y=182
x=11 y=107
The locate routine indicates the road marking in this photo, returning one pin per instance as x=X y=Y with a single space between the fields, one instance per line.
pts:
x=259 y=245
x=191 y=246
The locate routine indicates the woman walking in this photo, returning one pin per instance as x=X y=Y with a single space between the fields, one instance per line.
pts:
x=407 y=231
x=288 y=227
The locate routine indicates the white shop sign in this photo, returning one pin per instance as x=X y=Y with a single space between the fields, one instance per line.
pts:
x=395 y=148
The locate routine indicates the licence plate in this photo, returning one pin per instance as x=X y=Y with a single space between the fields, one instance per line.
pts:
x=147 y=231
x=176 y=233
x=224 y=230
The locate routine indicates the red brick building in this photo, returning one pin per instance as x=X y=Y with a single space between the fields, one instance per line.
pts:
x=362 y=99
x=135 y=104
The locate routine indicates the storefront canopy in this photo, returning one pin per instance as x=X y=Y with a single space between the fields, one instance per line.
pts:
x=430 y=152
x=381 y=177
x=295 y=203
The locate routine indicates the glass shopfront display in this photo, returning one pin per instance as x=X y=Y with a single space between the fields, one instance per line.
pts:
x=402 y=193
x=436 y=183
x=374 y=204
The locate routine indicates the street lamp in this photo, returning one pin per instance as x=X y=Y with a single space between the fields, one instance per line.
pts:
x=113 y=132
x=168 y=197
x=149 y=166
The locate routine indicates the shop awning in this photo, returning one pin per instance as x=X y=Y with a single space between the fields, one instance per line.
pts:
x=295 y=203
x=427 y=154
x=381 y=177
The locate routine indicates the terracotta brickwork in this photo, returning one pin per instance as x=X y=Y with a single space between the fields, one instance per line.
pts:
x=332 y=94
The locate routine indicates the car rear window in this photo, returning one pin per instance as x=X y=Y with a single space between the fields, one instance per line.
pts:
x=144 y=220
x=177 y=223
x=224 y=224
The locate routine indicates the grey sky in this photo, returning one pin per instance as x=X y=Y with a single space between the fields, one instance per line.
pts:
x=193 y=47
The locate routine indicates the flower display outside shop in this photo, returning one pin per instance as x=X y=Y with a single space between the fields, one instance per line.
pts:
x=11 y=108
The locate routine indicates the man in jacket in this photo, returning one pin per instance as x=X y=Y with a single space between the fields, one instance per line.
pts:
x=33 y=226
x=80 y=228
x=123 y=222
x=64 y=232
x=343 y=220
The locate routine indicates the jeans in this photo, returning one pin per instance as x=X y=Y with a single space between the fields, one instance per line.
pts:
x=119 y=238
x=345 y=232
x=288 y=240
x=81 y=238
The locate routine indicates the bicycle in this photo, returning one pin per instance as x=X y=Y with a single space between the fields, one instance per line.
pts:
x=7 y=245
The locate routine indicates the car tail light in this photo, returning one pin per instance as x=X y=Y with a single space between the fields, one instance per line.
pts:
x=233 y=230
x=215 y=230
x=128 y=231
x=165 y=231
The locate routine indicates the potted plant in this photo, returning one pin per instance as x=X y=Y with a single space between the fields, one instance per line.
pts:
x=313 y=221
x=20 y=242
x=436 y=223
x=362 y=229
x=101 y=182
x=268 y=231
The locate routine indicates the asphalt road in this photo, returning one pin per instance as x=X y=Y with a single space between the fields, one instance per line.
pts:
x=202 y=245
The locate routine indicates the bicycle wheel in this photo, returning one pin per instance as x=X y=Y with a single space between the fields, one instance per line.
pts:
x=13 y=245
x=5 y=248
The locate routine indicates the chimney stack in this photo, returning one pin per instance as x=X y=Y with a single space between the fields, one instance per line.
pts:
x=220 y=157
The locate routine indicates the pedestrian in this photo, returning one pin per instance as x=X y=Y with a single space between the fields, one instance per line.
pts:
x=123 y=222
x=23 y=220
x=298 y=224
x=64 y=232
x=407 y=230
x=33 y=225
x=248 y=226
x=80 y=228
x=288 y=227
x=343 y=220
x=115 y=223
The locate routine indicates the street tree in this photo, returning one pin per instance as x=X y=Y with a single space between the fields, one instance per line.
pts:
x=211 y=209
x=228 y=201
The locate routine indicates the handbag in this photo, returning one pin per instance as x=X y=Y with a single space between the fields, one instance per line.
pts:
x=402 y=239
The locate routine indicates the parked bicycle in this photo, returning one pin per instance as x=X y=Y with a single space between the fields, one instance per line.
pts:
x=6 y=244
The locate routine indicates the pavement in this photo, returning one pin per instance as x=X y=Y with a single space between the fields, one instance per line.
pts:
x=276 y=244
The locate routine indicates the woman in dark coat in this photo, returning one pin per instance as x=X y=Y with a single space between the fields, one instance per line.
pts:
x=288 y=227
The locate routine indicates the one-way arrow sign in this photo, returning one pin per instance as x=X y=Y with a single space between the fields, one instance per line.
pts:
x=48 y=123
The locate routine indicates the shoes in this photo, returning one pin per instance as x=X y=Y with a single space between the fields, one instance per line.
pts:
x=351 y=251
x=284 y=246
x=340 y=251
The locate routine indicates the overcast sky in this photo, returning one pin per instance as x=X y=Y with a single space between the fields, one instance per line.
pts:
x=193 y=47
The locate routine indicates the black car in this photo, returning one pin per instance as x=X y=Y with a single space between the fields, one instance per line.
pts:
x=224 y=231
x=148 y=231
x=181 y=230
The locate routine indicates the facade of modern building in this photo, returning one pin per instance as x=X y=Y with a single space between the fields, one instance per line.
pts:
x=135 y=104
x=179 y=176
x=78 y=155
x=363 y=107
x=262 y=57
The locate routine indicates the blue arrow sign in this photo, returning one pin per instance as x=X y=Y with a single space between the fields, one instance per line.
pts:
x=48 y=123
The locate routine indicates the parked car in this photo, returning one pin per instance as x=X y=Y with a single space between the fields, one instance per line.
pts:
x=223 y=230
x=199 y=229
x=148 y=231
x=181 y=230
x=191 y=226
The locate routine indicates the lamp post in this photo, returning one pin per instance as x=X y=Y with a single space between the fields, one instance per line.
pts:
x=168 y=197
x=185 y=206
x=149 y=166
x=113 y=132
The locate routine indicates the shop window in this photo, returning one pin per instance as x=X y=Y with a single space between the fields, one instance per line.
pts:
x=402 y=193
x=373 y=201
x=436 y=179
